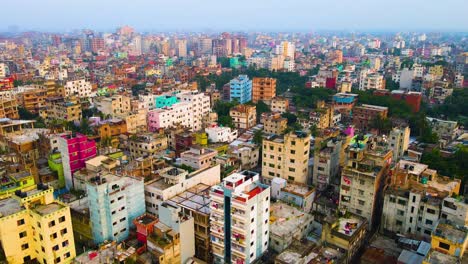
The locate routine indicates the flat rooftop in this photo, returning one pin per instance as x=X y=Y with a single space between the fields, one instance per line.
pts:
x=48 y=208
x=196 y=198
x=9 y=206
x=348 y=225
x=436 y=257
x=286 y=219
x=452 y=233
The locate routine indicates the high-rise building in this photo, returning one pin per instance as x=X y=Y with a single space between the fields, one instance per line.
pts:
x=399 y=141
x=75 y=149
x=181 y=48
x=241 y=89
x=114 y=202
x=79 y=87
x=327 y=163
x=205 y=46
x=363 y=177
x=36 y=227
x=239 y=218
x=263 y=89
x=286 y=49
x=286 y=157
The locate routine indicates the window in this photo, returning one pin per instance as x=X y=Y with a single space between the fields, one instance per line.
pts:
x=400 y=212
x=427 y=232
x=412 y=209
x=57 y=260
x=55 y=248
x=53 y=236
x=293 y=143
x=361 y=202
x=359 y=212
x=402 y=202
x=293 y=152
x=290 y=178
x=25 y=246
x=392 y=199
x=63 y=231
x=292 y=169
x=20 y=222
x=22 y=234
x=362 y=182
x=62 y=219
x=399 y=223
x=430 y=211
x=52 y=223
x=361 y=192
x=292 y=160
x=428 y=222
x=444 y=245
x=252 y=220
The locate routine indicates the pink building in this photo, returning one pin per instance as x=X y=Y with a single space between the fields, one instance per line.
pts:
x=75 y=149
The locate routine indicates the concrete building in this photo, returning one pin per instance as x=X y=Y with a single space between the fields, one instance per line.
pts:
x=135 y=120
x=165 y=101
x=322 y=116
x=399 y=141
x=413 y=202
x=60 y=108
x=244 y=116
x=455 y=209
x=327 y=163
x=146 y=144
x=443 y=128
x=300 y=195
x=198 y=157
x=287 y=224
x=200 y=108
x=177 y=114
x=363 y=177
x=241 y=89
x=364 y=114
x=450 y=239
x=286 y=49
x=239 y=218
x=9 y=108
x=114 y=202
x=36 y=227
x=81 y=88
x=195 y=202
x=183 y=224
x=3 y=70
x=372 y=82
x=174 y=181
x=218 y=134
x=286 y=157
x=263 y=89
x=279 y=104
x=248 y=155
x=75 y=149
x=114 y=105
x=273 y=123
x=164 y=244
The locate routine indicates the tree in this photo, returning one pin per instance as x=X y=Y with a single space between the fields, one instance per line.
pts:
x=261 y=108
x=258 y=137
x=383 y=125
x=137 y=88
x=292 y=118
x=391 y=84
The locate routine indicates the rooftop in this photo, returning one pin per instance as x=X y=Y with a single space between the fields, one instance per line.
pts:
x=45 y=209
x=196 y=198
x=452 y=233
x=285 y=220
x=436 y=257
x=347 y=225
x=9 y=206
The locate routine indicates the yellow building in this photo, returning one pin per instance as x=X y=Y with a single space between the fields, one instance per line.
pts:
x=450 y=239
x=263 y=89
x=61 y=108
x=286 y=157
x=437 y=71
x=273 y=123
x=279 y=104
x=244 y=116
x=34 y=226
x=164 y=244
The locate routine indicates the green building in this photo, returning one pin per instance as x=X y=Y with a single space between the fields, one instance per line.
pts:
x=55 y=164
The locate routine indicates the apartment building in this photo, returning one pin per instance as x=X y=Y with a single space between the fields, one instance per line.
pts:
x=195 y=202
x=36 y=227
x=113 y=105
x=455 y=209
x=177 y=114
x=240 y=89
x=443 y=128
x=201 y=106
x=372 y=82
x=198 y=157
x=75 y=149
x=399 y=141
x=327 y=163
x=174 y=181
x=9 y=108
x=32 y=98
x=165 y=101
x=415 y=199
x=221 y=134
x=286 y=157
x=364 y=114
x=113 y=204
x=146 y=144
x=279 y=104
x=247 y=154
x=3 y=70
x=244 y=116
x=81 y=88
x=263 y=89
x=363 y=177
x=135 y=120
x=239 y=214
x=61 y=108
x=273 y=123
x=322 y=116
x=344 y=102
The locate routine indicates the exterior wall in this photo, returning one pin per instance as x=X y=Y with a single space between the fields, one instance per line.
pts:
x=363 y=115
x=221 y=134
x=241 y=89
x=280 y=105
x=287 y=159
x=399 y=141
x=263 y=89
x=243 y=116
x=81 y=88
x=178 y=114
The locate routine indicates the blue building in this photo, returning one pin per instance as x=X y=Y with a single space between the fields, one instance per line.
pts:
x=241 y=89
x=113 y=204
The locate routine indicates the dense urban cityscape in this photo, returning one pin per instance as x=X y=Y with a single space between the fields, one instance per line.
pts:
x=127 y=146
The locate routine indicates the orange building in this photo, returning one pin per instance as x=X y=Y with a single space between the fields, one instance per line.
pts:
x=263 y=89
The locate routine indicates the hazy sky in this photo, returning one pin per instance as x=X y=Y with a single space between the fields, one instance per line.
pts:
x=310 y=15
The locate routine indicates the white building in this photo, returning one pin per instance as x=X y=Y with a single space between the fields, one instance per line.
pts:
x=286 y=49
x=177 y=114
x=3 y=70
x=406 y=79
x=200 y=106
x=175 y=181
x=371 y=81
x=399 y=141
x=80 y=87
x=221 y=134
x=239 y=218
x=455 y=210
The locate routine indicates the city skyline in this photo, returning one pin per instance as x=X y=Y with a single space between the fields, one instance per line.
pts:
x=183 y=15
